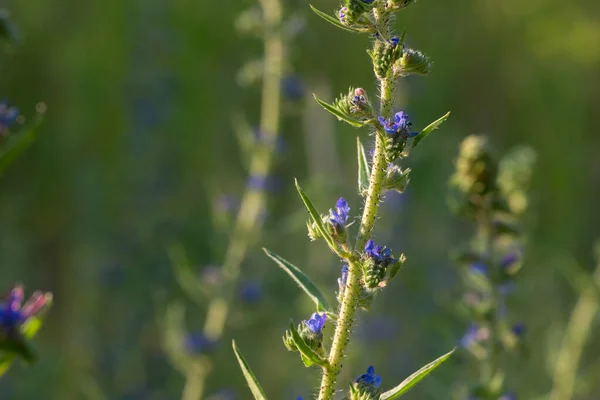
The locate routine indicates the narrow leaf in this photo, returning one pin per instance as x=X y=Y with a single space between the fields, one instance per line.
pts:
x=414 y=378
x=249 y=375
x=354 y=122
x=363 y=167
x=315 y=216
x=302 y=280
x=429 y=128
x=18 y=143
x=332 y=20
x=308 y=353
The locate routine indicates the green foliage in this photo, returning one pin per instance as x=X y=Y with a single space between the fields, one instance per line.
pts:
x=255 y=388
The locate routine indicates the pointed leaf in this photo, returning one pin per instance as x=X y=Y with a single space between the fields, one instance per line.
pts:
x=332 y=20
x=302 y=280
x=415 y=378
x=18 y=143
x=249 y=375
x=363 y=167
x=315 y=216
x=310 y=356
x=341 y=116
x=430 y=128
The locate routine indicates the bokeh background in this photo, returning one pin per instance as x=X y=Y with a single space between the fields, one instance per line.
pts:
x=138 y=149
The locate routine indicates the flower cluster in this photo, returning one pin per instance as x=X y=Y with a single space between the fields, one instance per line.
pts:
x=366 y=386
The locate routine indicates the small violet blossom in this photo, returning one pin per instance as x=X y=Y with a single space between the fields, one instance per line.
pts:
x=380 y=254
x=339 y=216
x=8 y=116
x=369 y=378
x=316 y=322
x=343 y=279
x=398 y=124
x=12 y=315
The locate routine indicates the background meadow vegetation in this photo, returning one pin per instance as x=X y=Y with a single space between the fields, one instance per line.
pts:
x=138 y=150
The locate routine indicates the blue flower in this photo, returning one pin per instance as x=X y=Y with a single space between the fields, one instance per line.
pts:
x=316 y=322
x=380 y=254
x=518 y=329
x=395 y=40
x=8 y=116
x=508 y=396
x=343 y=279
x=339 y=216
x=250 y=291
x=293 y=87
x=473 y=334
x=369 y=379
x=199 y=343
x=479 y=268
x=399 y=124
x=12 y=315
x=509 y=260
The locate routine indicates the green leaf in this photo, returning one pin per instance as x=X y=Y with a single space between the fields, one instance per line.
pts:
x=363 y=167
x=430 y=128
x=249 y=375
x=18 y=143
x=332 y=20
x=302 y=280
x=187 y=280
x=396 y=267
x=309 y=355
x=412 y=380
x=316 y=217
x=354 y=122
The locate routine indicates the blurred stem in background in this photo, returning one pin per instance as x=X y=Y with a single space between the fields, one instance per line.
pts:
x=576 y=335
x=253 y=204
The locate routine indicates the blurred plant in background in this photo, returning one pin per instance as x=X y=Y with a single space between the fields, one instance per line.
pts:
x=492 y=195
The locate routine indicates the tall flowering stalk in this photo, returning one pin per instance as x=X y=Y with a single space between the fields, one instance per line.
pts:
x=368 y=268
x=247 y=223
x=493 y=195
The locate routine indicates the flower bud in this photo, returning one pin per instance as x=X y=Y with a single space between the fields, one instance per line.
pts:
x=366 y=386
x=412 y=62
x=385 y=55
x=475 y=167
x=396 y=178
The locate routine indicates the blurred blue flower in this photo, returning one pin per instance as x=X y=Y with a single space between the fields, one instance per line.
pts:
x=198 y=343
x=479 y=268
x=293 y=87
x=395 y=40
x=509 y=260
x=12 y=315
x=369 y=378
x=250 y=291
x=339 y=216
x=519 y=329
x=316 y=322
x=508 y=396
x=8 y=116
x=474 y=334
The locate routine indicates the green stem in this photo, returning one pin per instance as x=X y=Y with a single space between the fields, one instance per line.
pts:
x=353 y=284
x=254 y=200
x=576 y=335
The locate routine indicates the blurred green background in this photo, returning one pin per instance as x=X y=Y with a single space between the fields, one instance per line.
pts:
x=138 y=145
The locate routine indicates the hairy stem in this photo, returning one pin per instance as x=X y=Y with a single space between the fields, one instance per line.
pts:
x=576 y=335
x=352 y=292
x=249 y=216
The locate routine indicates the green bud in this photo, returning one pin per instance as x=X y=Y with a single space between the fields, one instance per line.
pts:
x=373 y=273
x=396 y=178
x=384 y=56
x=398 y=4
x=475 y=167
x=355 y=104
x=412 y=62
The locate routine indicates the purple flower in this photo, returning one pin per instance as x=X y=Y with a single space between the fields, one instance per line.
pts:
x=339 y=216
x=12 y=315
x=250 y=291
x=508 y=396
x=369 y=379
x=479 y=268
x=316 y=322
x=509 y=260
x=399 y=124
x=380 y=254
x=199 y=343
x=395 y=40
x=8 y=116
x=473 y=334
x=342 y=14
x=518 y=329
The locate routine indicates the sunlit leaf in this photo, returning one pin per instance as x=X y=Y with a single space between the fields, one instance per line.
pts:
x=428 y=129
x=249 y=375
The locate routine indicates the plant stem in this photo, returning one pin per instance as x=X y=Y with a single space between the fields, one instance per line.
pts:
x=576 y=334
x=249 y=216
x=352 y=292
